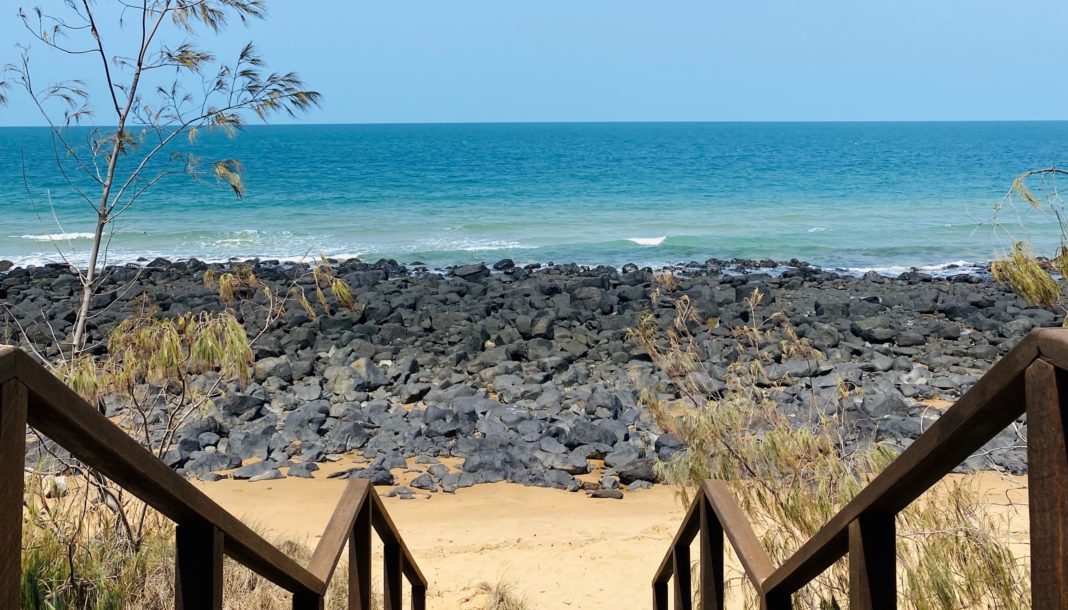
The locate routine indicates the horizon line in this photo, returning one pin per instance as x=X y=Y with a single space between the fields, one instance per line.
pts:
x=604 y=122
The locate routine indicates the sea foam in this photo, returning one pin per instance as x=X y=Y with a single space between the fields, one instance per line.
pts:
x=940 y=269
x=58 y=236
x=648 y=241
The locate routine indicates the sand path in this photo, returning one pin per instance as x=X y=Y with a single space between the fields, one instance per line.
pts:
x=557 y=549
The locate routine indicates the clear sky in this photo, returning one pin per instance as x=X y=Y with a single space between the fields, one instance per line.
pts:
x=625 y=60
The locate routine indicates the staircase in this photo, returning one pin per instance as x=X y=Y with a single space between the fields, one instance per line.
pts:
x=205 y=532
x=1031 y=379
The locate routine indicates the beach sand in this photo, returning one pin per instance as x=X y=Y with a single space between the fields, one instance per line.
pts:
x=557 y=549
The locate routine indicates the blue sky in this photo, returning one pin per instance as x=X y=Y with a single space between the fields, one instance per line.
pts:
x=621 y=60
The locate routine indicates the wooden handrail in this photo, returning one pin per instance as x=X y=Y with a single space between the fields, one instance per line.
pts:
x=31 y=395
x=713 y=513
x=335 y=536
x=387 y=531
x=1031 y=378
x=754 y=559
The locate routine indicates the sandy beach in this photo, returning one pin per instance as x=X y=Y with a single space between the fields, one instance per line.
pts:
x=557 y=549
x=554 y=547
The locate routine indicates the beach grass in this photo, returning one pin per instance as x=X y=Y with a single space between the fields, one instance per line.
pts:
x=75 y=558
x=792 y=477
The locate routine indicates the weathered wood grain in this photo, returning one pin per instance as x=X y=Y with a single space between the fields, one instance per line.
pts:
x=1047 y=472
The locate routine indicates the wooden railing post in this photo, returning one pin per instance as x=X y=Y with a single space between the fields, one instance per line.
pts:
x=1047 y=473
x=13 y=404
x=360 y=559
x=660 y=596
x=418 y=597
x=681 y=578
x=392 y=576
x=205 y=533
x=712 y=584
x=198 y=567
x=308 y=600
x=873 y=562
x=776 y=601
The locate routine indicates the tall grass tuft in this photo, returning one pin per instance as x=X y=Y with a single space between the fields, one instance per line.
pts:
x=1023 y=273
x=497 y=596
x=76 y=558
x=1039 y=281
x=98 y=547
x=792 y=474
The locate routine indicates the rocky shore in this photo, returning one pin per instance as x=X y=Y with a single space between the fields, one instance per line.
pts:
x=527 y=374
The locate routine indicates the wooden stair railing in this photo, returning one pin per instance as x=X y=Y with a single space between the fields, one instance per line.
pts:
x=205 y=532
x=1032 y=378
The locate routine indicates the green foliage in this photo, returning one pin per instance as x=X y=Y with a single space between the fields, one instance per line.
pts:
x=163 y=91
x=163 y=352
x=76 y=558
x=792 y=475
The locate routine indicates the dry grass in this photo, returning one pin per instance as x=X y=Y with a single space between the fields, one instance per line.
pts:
x=792 y=476
x=239 y=280
x=100 y=548
x=499 y=596
x=1023 y=273
x=1029 y=276
x=75 y=557
x=664 y=282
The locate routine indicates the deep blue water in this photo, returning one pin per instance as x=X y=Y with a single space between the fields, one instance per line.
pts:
x=857 y=195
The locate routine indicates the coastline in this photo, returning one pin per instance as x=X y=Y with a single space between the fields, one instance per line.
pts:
x=714 y=265
x=532 y=372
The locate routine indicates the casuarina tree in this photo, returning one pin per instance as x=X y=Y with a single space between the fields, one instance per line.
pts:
x=161 y=91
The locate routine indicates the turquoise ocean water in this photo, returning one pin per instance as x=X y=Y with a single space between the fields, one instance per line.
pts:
x=851 y=195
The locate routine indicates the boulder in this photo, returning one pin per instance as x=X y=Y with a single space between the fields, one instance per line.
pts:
x=255 y=469
x=368 y=376
x=876 y=329
x=413 y=392
x=273 y=367
x=471 y=272
x=637 y=470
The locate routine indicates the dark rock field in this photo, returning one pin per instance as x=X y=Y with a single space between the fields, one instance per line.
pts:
x=528 y=373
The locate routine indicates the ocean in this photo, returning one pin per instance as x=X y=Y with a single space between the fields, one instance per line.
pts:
x=857 y=196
